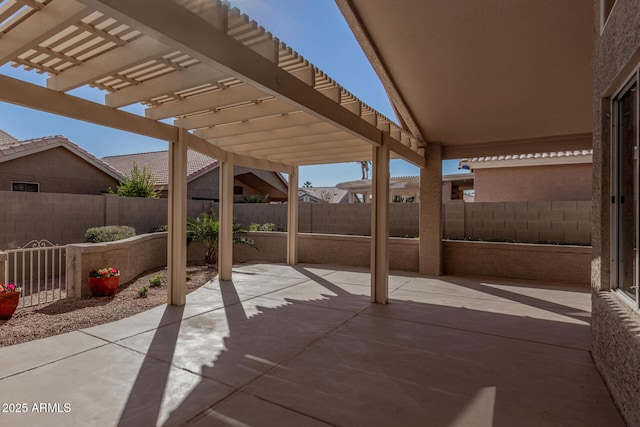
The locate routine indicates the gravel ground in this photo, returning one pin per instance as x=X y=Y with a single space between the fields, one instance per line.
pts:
x=70 y=314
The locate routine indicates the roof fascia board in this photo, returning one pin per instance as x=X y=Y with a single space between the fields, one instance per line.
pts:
x=540 y=161
x=214 y=47
x=581 y=141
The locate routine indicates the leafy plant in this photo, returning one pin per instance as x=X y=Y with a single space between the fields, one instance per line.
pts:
x=8 y=288
x=159 y=229
x=307 y=184
x=142 y=291
x=104 y=272
x=397 y=199
x=269 y=226
x=139 y=183
x=155 y=281
x=207 y=228
x=108 y=233
x=255 y=198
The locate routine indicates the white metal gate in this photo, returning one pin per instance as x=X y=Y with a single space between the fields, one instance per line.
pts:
x=39 y=269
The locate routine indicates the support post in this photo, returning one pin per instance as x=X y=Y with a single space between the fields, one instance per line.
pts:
x=380 y=226
x=225 y=240
x=177 y=239
x=431 y=212
x=292 y=218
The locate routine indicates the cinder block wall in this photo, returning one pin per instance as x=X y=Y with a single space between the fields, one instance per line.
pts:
x=59 y=218
x=567 y=222
x=64 y=218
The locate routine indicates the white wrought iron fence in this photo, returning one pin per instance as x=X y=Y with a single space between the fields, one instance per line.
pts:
x=39 y=269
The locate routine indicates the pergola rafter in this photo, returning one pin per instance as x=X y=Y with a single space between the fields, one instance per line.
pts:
x=235 y=92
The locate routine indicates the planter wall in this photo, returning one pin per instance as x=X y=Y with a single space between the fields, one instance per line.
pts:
x=132 y=256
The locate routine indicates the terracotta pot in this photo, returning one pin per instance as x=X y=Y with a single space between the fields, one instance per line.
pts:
x=103 y=286
x=8 y=304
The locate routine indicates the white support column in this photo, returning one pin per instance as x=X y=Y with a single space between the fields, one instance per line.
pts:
x=292 y=218
x=431 y=212
x=177 y=239
x=380 y=226
x=225 y=241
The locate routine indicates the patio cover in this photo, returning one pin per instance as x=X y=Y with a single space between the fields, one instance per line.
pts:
x=235 y=93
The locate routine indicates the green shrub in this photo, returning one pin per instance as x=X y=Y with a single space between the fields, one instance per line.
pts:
x=269 y=226
x=254 y=198
x=142 y=291
x=139 y=183
x=108 y=233
x=159 y=229
x=155 y=281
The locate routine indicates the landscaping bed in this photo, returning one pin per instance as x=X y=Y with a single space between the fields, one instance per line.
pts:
x=70 y=314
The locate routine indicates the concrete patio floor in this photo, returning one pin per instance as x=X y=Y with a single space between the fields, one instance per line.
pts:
x=303 y=346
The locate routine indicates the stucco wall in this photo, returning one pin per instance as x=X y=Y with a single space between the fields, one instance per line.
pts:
x=533 y=183
x=58 y=171
x=327 y=249
x=132 y=256
x=547 y=263
x=616 y=342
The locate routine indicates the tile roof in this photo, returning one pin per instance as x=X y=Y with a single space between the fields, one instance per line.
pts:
x=158 y=163
x=325 y=194
x=6 y=139
x=559 y=154
x=28 y=146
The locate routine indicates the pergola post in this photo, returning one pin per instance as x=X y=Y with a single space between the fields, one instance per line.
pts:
x=225 y=238
x=177 y=238
x=380 y=226
x=292 y=218
x=431 y=212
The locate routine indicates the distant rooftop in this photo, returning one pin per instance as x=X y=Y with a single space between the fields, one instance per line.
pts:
x=6 y=139
x=157 y=162
x=11 y=148
x=531 y=159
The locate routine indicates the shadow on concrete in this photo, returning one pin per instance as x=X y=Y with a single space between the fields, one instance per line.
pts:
x=145 y=399
x=392 y=364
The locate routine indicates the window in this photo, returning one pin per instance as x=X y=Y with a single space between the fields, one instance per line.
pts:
x=625 y=195
x=31 y=187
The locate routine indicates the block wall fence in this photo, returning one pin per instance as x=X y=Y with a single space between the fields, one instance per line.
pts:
x=64 y=218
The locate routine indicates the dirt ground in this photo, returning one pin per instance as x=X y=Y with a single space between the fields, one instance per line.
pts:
x=70 y=314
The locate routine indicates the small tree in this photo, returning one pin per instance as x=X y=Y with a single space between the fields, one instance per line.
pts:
x=139 y=183
x=207 y=228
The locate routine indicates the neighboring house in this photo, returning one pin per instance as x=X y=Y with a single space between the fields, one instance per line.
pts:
x=322 y=195
x=202 y=176
x=564 y=175
x=52 y=164
x=454 y=187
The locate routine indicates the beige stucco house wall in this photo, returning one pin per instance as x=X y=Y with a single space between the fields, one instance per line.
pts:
x=615 y=324
x=54 y=164
x=533 y=183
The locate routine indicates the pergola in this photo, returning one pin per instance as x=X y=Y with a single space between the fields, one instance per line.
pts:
x=235 y=92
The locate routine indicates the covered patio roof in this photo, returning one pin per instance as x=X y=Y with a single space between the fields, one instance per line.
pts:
x=203 y=64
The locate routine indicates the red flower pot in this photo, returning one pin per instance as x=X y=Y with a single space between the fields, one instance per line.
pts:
x=8 y=304
x=103 y=286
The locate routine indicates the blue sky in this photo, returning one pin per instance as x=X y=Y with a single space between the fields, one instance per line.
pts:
x=314 y=28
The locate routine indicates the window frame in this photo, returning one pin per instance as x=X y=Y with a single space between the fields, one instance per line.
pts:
x=27 y=183
x=615 y=241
